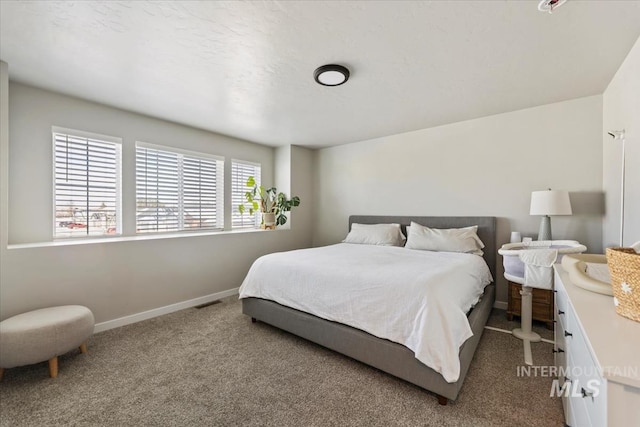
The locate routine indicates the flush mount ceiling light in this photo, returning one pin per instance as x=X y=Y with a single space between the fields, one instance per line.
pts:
x=550 y=5
x=331 y=75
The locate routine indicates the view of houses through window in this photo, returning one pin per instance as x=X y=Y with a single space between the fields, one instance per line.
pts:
x=86 y=184
x=176 y=189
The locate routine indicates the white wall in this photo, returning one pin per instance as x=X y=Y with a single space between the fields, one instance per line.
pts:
x=302 y=185
x=32 y=113
x=116 y=278
x=621 y=110
x=487 y=166
x=282 y=161
x=4 y=166
x=294 y=177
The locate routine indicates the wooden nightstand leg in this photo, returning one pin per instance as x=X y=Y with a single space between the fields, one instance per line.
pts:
x=550 y=325
x=53 y=367
x=509 y=317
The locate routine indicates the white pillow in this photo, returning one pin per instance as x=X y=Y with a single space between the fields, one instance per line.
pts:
x=444 y=240
x=474 y=228
x=375 y=234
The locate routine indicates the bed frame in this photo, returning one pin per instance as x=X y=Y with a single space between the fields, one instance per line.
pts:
x=390 y=357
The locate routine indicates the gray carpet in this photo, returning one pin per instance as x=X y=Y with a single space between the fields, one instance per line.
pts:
x=212 y=366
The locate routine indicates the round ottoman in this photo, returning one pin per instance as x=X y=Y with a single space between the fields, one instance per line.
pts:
x=44 y=334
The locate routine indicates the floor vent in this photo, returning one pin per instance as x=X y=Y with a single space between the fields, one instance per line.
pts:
x=207 y=304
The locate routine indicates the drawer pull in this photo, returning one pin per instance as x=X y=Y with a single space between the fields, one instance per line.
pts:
x=568 y=334
x=559 y=350
x=560 y=312
x=586 y=393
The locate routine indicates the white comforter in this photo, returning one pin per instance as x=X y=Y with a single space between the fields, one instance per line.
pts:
x=416 y=298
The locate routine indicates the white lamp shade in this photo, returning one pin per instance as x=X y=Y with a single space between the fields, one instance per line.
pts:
x=550 y=202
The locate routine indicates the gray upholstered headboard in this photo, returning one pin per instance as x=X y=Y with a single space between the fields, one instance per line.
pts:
x=486 y=228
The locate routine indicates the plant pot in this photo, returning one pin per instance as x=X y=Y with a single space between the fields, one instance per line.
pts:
x=269 y=221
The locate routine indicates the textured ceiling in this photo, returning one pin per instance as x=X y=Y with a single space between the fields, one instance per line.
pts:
x=246 y=68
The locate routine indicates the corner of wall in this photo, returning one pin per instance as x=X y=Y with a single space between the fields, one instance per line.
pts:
x=4 y=175
x=621 y=110
x=282 y=169
x=4 y=154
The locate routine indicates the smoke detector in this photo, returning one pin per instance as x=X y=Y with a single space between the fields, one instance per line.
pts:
x=550 y=5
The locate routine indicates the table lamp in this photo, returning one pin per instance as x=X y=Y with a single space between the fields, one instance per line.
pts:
x=546 y=203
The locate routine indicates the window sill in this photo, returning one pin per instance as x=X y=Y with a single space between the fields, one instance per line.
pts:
x=138 y=238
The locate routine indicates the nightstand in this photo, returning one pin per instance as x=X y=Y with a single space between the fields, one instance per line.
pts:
x=542 y=306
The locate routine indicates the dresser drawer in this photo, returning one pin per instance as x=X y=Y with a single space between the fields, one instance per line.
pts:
x=560 y=311
x=561 y=320
x=577 y=416
x=560 y=360
x=590 y=384
x=560 y=346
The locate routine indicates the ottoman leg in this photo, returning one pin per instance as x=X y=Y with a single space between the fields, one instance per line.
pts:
x=53 y=367
x=83 y=347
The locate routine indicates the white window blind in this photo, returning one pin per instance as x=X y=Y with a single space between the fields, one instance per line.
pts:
x=177 y=190
x=86 y=184
x=240 y=172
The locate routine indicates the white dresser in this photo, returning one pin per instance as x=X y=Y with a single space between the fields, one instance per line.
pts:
x=598 y=353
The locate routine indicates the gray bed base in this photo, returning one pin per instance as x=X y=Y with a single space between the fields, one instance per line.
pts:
x=382 y=354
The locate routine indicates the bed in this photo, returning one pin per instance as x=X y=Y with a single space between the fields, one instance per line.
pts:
x=389 y=355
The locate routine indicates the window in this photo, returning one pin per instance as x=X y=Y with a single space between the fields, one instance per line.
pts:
x=240 y=172
x=86 y=184
x=177 y=190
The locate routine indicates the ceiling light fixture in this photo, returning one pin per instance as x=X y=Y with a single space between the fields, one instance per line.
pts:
x=331 y=75
x=549 y=5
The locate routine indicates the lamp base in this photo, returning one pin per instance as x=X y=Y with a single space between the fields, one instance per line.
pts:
x=545 y=228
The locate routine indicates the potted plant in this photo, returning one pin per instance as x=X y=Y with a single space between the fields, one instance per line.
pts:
x=271 y=204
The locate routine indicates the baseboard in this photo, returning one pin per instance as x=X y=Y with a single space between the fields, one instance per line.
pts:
x=149 y=314
x=502 y=305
